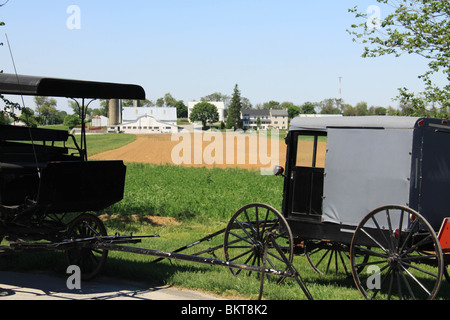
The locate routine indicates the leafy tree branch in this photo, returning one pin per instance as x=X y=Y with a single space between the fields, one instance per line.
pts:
x=417 y=27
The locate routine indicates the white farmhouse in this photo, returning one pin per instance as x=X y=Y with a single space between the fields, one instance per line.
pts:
x=268 y=118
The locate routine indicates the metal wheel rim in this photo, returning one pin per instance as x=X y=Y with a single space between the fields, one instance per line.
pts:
x=90 y=261
x=405 y=263
x=244 y=243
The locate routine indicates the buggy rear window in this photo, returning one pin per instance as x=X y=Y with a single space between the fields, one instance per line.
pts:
x=311 y=151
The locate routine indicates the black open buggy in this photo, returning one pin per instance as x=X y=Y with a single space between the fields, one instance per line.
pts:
x=50 y=193
x=45 y=177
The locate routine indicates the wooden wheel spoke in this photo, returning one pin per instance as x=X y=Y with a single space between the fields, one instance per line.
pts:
x=410 y=266
x=252 y=225
x=89 y=260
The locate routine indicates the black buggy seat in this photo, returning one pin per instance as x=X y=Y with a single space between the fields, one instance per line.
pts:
x=54 y=175
x=40 y=167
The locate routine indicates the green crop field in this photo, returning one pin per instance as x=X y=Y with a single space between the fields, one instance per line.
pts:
x=194 y=193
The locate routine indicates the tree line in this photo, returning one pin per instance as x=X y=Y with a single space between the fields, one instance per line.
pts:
x=415 y=27
x=46 y=111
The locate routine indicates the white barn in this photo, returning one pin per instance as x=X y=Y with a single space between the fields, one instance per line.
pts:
x=100 y=121
x=145 y=125
x=163 y=114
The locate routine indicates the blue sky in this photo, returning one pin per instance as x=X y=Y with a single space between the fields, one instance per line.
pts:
x=285 y=50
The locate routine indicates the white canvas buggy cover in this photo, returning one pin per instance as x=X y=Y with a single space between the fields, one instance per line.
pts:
x=383 y=160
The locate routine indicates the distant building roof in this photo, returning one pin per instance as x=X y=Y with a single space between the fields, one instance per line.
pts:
x=279 y=112
x=264 y=112
x=219 y=104
x=159 y=113
x=256 y=112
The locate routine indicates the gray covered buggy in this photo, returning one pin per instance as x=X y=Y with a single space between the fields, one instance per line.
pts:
x=366 y=196
x=379 y=190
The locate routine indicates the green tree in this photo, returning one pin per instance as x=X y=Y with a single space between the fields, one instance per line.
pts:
x=379 y=111
x=234 y=110
x=103 y=110
x=169 y=100
x=160 y=102
x=204 y=112
x=419 y=27
x=46 y=109
x=361 y=109
x=142 y=103
x=182 y=109
x=72 y=120
x=76 y=108
x=4 y=118
x=27 y=117
x=272 y=105
x=217 y=96
x=9 y=108
x=293 y=111
x=308 y=108
x=348 y=110
x=329 y=106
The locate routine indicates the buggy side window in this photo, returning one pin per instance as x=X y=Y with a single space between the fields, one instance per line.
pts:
x=311 y=151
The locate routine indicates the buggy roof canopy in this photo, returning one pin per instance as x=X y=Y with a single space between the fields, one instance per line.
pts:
x=54 y=87
x=369 y=122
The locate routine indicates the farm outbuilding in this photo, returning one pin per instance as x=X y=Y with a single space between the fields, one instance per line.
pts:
x=145 y=125
x=162 y=114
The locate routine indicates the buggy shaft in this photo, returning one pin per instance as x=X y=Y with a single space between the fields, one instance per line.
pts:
x=191 y=258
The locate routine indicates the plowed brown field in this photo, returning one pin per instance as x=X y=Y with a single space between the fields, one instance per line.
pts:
x=202 y=150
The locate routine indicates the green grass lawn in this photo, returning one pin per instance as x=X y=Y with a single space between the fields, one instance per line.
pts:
x=97 y=143
x=105 y=142
x=194 y=193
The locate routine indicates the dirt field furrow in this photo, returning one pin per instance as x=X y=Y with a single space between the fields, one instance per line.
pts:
x=202 y=150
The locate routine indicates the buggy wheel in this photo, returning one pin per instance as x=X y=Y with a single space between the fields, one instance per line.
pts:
x=327 y=257
x=247 y=233
x=406 y=260
x=89 y=260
